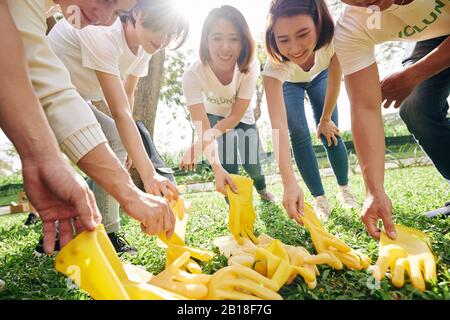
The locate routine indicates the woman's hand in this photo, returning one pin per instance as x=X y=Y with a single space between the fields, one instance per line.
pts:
x=161 y=186
x=189 y=160
x=223 y=179
x=329 y=130
x=293 y=201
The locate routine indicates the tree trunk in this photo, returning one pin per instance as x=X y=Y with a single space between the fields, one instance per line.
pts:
x=146 y=101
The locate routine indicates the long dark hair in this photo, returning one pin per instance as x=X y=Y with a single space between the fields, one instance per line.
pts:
x=318 y=11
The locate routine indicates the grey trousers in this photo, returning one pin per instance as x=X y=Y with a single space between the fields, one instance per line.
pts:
x=108 y=206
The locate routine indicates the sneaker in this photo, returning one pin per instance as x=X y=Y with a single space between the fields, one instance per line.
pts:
x=346 y=198
x=121 y=244
x=267 y=196
x=39 y=249
x=322 y=207
x=31 y=219
x=439 y=212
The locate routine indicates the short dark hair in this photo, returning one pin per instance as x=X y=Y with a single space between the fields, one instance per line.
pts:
x=318 y=11
x=161 y=15
x=235 y=17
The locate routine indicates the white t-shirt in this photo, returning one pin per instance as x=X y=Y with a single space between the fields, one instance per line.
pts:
x=289 y=71
x=69 y=116
x=357 y=31
x=200 y=85
x=96 y=48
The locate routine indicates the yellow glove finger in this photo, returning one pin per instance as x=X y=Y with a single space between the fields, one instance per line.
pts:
x=306 y=274
x=321 y=258
x=193 y=267
x=350 y=259
x=278 y=249
x=180 y=261
x=282 y=273
x=174 y=239
x=415 y=274
x=251 y=287
x=145 y=291
x=381 y=266
x=312 y=284
x=331 y=241
x=183 y=276
x=189 y=290
x=236 y=232
x=243 y=260
x=255 y=276
x=249 y=233
x=429 y=268
x=334 y=262
x=175 y=251
x=233 y=295
x=398 y=273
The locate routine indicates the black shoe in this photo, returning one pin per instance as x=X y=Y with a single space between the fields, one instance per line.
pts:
x=441 y=212
x=32 y=219
x=121 y=244
x=39 y=249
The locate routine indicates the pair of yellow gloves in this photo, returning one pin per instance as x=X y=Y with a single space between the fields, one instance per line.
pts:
x=411 y=251
x=92 y=263
x=242 y=218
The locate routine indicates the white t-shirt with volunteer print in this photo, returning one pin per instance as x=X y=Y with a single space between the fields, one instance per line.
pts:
x=289 y=71
x=359 y=29
x=93 y=49
x=200 y=85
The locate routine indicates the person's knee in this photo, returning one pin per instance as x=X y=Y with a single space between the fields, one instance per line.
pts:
x=299 y=136
x=415 y=116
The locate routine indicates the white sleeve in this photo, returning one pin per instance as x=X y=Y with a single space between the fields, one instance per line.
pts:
x=276 y=70
x=141 y=68
x=69 y=116
x=100 y=49
x=248 y=84
x=192 y=88
x=353 y=47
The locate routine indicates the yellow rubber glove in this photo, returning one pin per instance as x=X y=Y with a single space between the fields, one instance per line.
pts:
x=91 y=261
x=242 y=214
x=192 y=286
x=272 y=267
x=241 y=283
x=300 y=260
x=411 y=251
x=228 y=246
x=179 y=209
x=324 y=242
x=176 y=247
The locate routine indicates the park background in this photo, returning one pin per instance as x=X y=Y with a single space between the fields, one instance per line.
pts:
x=413 y=184
x=166 y=117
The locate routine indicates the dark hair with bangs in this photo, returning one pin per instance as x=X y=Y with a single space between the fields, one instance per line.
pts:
x=161 y=15
x=237 y=19
x=318 y=11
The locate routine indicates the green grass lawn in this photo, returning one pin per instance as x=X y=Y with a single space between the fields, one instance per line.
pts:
x=413 y=191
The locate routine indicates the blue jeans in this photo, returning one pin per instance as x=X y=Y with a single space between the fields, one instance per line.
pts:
x=294 y=99
x=425 y=110
x=245 y=138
